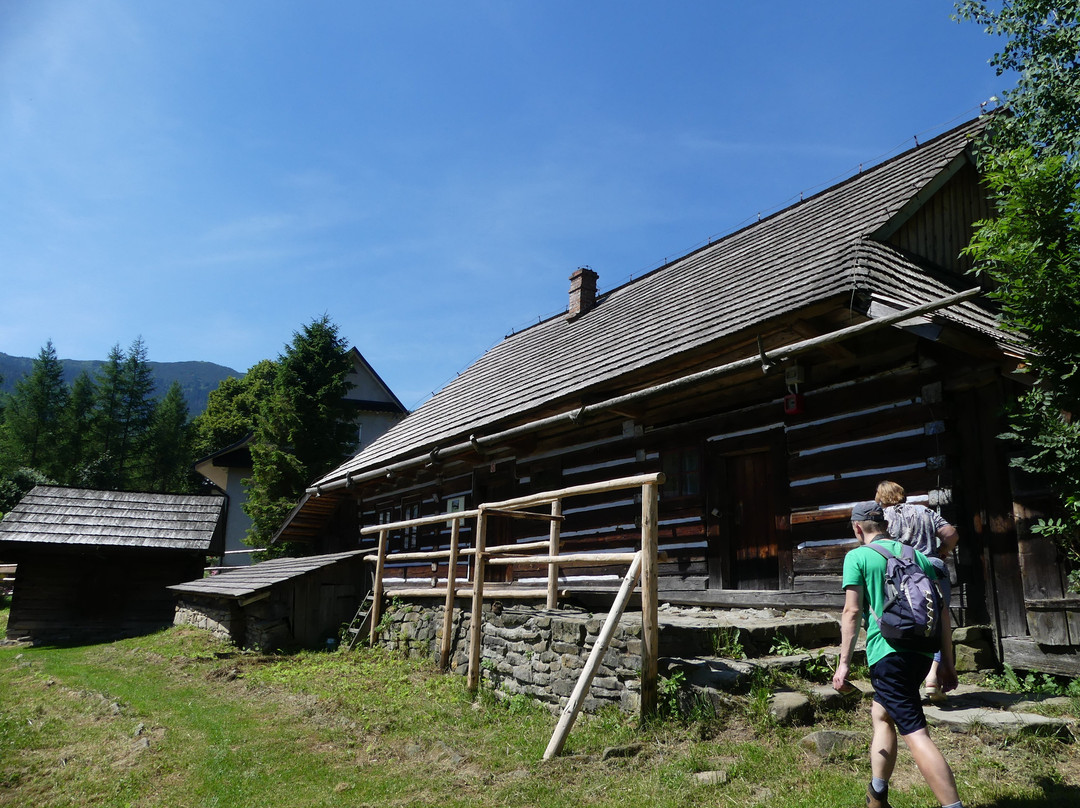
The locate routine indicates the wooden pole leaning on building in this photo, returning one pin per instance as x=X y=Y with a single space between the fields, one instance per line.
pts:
x=596 y=656
x=376 y=601
x=650 y=627
x=554 y=535
x=451 y=591
x=476 y=629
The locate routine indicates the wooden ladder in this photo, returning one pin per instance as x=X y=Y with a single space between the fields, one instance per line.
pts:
x=360 y=619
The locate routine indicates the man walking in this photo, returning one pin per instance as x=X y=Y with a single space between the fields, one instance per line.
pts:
x=894 y=672
x=931 y=535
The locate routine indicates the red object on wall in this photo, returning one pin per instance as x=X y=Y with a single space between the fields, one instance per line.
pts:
x=793 y=404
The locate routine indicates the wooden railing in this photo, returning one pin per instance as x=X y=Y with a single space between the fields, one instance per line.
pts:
x=543 y=552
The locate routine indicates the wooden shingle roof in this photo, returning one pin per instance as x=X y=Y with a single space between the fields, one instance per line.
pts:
x=243 y=582
x=816 y=250
x=79 y=516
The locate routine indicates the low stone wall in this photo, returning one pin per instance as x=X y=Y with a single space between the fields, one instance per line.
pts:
x=535 y=652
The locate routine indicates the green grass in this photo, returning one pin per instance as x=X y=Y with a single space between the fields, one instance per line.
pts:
x=177 y=719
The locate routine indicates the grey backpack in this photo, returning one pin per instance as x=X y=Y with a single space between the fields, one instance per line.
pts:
x=910 y=619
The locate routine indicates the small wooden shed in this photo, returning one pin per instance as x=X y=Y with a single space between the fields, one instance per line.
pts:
x=96 y=564
x=279 y=604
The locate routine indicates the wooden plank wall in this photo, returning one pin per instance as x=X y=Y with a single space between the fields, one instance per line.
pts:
x=321 y=600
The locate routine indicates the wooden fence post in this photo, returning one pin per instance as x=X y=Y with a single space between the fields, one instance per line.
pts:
x=451 y=590
x=554 y=534
x=650 y=629
x=476 y=629
x=376 y=602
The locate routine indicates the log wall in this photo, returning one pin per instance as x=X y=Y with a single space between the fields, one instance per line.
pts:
x=896 y=423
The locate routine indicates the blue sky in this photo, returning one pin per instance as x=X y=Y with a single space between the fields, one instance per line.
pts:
x=212 y=175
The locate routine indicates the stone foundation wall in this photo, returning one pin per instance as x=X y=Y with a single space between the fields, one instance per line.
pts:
x=219 y=620
x=538 y=653
x=262 y=625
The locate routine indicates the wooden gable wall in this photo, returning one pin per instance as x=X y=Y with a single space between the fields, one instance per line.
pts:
x=943 y=225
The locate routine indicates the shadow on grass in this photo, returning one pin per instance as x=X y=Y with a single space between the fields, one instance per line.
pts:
x=1055 y=795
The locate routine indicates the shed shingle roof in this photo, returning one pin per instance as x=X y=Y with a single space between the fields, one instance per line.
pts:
x=245 y=581
x=808 y=253
x=79 y=516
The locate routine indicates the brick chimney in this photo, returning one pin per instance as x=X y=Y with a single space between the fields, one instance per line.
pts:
x=582 y=292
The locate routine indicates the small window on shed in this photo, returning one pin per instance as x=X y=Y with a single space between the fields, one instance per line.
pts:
x=682 y=467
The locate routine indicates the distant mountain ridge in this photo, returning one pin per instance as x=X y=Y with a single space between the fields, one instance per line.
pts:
x=196 y=379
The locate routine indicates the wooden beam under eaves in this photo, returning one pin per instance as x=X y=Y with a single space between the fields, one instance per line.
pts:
x=836 y=350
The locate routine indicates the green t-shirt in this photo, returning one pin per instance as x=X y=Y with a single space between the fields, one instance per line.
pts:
x=865 y=567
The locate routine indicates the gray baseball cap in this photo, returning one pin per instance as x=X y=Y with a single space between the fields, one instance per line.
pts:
x=868 y=511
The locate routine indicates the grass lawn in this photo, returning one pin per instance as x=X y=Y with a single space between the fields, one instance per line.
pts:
x=179 y=719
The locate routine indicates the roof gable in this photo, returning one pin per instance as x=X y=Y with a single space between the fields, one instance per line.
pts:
x=79 y=516
x=369 y=391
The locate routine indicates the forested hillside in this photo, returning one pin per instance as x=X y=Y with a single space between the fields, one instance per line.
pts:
x=196 y=379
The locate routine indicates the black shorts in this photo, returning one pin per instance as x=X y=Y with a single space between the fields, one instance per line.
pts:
x=896 y=679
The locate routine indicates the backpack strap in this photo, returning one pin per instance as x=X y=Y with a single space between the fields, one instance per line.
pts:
x=887 y=555
x=875 y=546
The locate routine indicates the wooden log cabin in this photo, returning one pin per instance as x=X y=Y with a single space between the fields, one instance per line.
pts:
x=95 y=565
x=775 y=376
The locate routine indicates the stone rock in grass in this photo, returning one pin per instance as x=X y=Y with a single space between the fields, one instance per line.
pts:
x=713 y=778
x=829 y=699
x=971 y=634
x=974 y=656
x=445 y=754
x=828 y=743
x=790 y=709
x=630 y=750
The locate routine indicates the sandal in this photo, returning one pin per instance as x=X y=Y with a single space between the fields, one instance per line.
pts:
x=935 y=694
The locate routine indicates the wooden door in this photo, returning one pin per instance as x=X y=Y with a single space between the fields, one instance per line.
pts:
x=743 y=542
x=494 y=483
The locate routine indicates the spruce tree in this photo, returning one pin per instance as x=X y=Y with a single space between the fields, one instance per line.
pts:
x=122 y=417
x=136 y=415
x=168 y=456
x=98 y=470
x=33 y=416
x=304 y=427
x=77 y=429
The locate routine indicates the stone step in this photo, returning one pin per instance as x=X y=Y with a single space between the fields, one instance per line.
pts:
x=737 y=675
x=695 y=631
x=717 y=682
x=970 y=707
